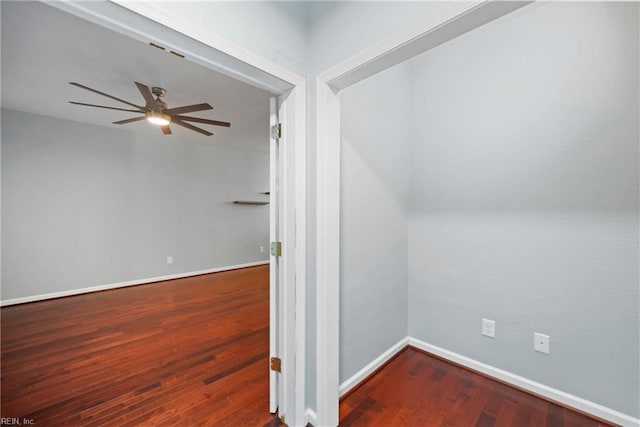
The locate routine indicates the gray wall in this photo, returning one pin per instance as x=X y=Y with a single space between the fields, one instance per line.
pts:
x=374 y=197
x=524 y=197
x=86 y=205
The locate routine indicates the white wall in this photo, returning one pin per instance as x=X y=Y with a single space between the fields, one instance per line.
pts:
x=524 y=197
x=374 y=197
x=86 y=205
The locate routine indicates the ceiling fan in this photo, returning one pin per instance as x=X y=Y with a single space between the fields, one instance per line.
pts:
x=156 y=111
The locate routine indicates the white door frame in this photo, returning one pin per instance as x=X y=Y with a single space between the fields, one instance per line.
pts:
x=274 y=227
x=144 y=21
x=449 y=21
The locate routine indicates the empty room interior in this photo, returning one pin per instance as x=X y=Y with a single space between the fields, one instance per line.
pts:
x=312 y=213
x=89 y=203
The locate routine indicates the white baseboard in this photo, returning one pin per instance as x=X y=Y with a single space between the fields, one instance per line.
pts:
x=311 y=417
x=531 y=386
x=363 y=373
x=550 y=393
x=42 y=297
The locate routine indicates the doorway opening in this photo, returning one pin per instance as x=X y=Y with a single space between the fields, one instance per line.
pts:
x=163 y=204
x=429 y=224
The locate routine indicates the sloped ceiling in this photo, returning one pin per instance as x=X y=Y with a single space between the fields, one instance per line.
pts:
x=43 y=49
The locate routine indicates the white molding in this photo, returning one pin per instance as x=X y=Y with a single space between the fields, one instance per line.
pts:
x=135 y=24
x=363 y=373
x=310 y=417
x=160 y=14
x=137 y=282
x=299 y=95
x=273 y=261
x=403 y=37
x=327 y=256
x=531 y=386
x=286 y=232
x=451 y=20
x=509 y=378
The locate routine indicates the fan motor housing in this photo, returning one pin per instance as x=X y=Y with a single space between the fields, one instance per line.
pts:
x=158 y=106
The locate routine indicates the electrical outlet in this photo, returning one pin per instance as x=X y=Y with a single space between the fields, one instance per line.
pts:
x=261 y=249
x=541 y=342
x=489 y=328
x=169 y=260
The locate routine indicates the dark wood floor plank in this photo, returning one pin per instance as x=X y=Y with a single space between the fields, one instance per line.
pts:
x=506 y=413
x=555 y=416
x=485 y=420
x=182 y=352
x=418 y=389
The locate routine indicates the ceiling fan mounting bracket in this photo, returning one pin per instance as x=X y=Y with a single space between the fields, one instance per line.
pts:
x=158 y=91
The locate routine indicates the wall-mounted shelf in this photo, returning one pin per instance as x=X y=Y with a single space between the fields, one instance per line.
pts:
x=249 y=202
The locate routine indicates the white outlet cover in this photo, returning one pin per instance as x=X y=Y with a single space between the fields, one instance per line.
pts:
x=169 y=260
x=541 y=342
x=489 y=328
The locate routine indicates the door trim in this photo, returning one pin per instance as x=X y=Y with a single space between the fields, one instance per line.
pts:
x=274 y=199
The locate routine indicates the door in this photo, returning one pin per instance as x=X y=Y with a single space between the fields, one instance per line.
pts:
x=274 y=264
x=282 y=266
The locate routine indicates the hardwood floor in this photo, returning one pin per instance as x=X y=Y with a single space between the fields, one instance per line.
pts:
x=417 y=389
x=194 y=352
x=187 y=352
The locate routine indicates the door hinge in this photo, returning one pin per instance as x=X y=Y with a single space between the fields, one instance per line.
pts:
x=276 y=248
x=276 y=364
x=276 y=131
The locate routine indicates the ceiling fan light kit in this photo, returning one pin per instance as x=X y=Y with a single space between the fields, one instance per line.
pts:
x=158 y=118
x=155 y=110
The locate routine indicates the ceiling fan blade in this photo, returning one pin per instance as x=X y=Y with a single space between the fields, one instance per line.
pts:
x=104 y=106
x=124 y=122
x=191 y=127
x=146 y=93
x=205 y=121
x=188 y=109
x=105 y=94
x=166 y=130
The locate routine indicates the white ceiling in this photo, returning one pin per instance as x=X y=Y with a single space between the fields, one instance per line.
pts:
x=43 y=49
